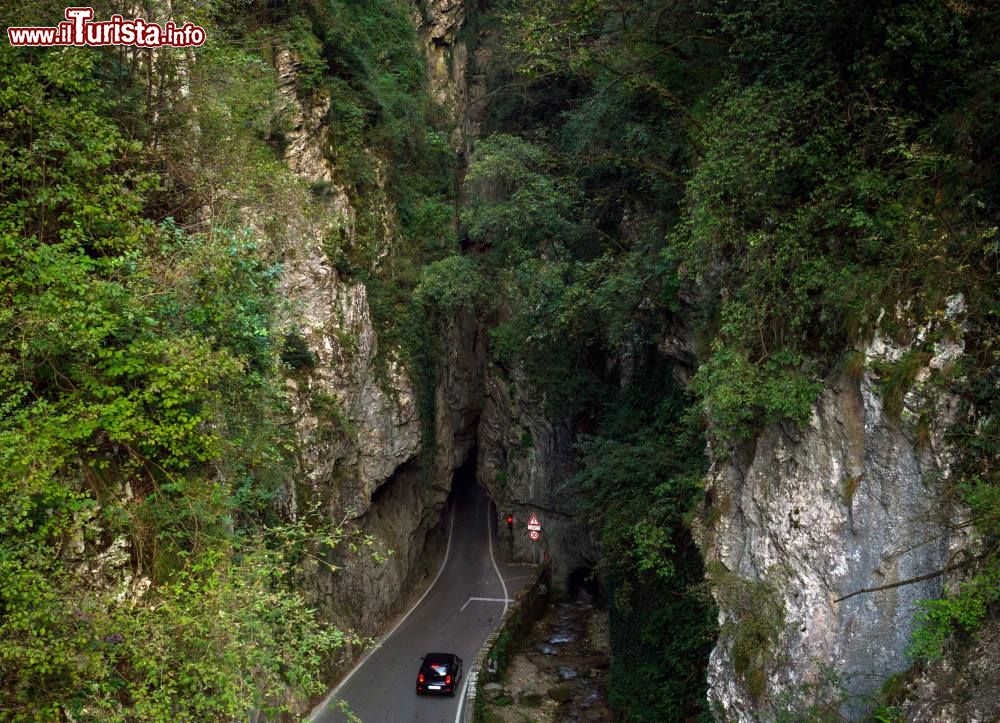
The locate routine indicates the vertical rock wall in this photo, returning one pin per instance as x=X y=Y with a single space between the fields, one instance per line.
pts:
x=803 y=518
x=365 y=457
x=525 y=460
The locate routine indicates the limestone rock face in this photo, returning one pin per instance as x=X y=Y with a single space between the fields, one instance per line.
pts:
x=367 y=461
x=802 y=518
x=303 y=154
x=456 y=90
x=524 y=461
x=438 y=22
x=351 y=414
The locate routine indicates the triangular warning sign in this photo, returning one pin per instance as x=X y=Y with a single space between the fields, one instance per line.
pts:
x=533 y=520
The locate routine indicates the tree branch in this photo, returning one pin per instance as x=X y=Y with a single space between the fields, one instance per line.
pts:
x=910 y=581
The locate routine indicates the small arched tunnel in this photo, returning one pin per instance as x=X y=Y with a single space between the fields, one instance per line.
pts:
x=583 y=585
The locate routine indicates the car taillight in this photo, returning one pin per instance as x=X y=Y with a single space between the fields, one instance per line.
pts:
x=421 y=678
x=447 y=680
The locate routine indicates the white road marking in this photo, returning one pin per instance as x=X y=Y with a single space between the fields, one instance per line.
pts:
x=506 y=595
x=461 y=701
x=485 y=599
x=489 y=532
x=447 y=551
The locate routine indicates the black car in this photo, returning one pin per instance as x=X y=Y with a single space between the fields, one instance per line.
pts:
x=439 y=673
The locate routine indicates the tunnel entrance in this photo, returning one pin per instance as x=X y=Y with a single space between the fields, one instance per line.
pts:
x=464 y=476
x=583 y=586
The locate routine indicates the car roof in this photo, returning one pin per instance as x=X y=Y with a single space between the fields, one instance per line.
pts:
x=432 y=658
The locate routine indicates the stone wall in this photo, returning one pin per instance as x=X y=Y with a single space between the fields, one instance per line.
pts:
x=525 y=461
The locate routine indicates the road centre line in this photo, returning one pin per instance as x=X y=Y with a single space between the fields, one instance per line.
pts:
x=506 y=595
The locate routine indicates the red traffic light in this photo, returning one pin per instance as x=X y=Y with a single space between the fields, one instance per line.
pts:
x=510 y=520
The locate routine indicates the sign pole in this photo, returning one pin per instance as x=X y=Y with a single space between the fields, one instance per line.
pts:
x=534 y=533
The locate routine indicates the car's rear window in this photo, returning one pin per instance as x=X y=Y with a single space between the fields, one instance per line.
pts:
x=439 y=668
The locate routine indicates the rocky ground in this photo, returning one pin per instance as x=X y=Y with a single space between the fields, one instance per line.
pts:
x=559 y=674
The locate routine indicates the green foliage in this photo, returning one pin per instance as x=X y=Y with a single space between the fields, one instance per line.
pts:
x=888 y=714
x=808 y=211
x=740 y=395
x=939 y=620
x=641 y=476
x=450 y=284
x=503 y=649
x=219 y=633
x=662 y=634
x=515 y=203
x=567 y=289
x=295 y=353
x=308 y=49
x=527 y=220
x=207 y=130
x=136 y=368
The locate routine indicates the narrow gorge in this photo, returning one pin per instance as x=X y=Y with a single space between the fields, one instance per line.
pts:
x=711 y=288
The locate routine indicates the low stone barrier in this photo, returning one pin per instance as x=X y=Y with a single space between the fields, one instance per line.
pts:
x=492 y=658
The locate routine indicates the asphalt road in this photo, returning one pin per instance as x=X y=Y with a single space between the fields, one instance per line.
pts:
x=448 y=619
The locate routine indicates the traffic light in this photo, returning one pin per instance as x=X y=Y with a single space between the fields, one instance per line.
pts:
x=510 y=522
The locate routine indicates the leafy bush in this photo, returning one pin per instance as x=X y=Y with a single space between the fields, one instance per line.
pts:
x=138 y=441
x=739 y=396
x=450 y=284
x=515 y=202
x=940 y=621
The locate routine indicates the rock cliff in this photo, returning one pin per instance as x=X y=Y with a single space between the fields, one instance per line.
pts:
x=960 y=688
x=364 y=460
x=801 y=520
x=525 y=459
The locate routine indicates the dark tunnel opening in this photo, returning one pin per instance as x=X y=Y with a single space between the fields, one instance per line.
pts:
x=583 y=586
x=464 y=477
